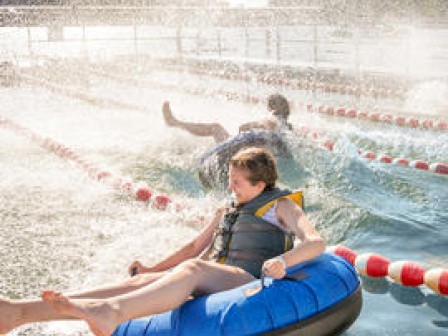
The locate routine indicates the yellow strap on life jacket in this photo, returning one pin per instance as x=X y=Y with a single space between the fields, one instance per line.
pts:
x=296 y=197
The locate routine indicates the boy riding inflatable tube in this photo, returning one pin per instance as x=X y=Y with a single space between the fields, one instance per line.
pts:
x=320 y=297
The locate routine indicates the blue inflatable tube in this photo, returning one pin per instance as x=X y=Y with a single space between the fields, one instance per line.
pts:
x=320 y=297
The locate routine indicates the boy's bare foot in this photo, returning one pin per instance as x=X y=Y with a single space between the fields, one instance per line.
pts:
x=101 y=317
x=10 y=316
x=168 y=115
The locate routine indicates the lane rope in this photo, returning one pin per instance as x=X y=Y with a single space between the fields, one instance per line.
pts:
x=294 y=83
x=139 y=190
x=438 y=167
x=406 y=273
x=347 y=112
x=76 y=94
x=386 y=118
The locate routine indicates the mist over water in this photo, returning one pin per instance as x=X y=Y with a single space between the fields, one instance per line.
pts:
x=428 y=97
x=62 y=229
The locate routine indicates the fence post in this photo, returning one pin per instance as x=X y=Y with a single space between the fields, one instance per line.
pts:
x=268 y=43
x=218 y=33
x=315 y=57
x=135 y=35
x=357 y=65
x=179 y=42
x=84 y=39
x=30 y=47
x=278 y=45
x=198 y=42
x=246 y=45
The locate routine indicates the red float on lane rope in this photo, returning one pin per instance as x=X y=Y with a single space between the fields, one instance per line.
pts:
x=372 y=264
x=375 y=117
x=343 y=252
x=400 y=120
x=439 y=168
x=437 y=280
x=363 y=115
x=340 y=112
x=329 y=145
x=419 y=164
x=385 y=159
x=442 y=125
x=407 y=273
x=102 y=175
x=161 y=202
x=401 y=161
x=428 y=123
x=387 y=118
x=351 y=113
x=143 y=194
x=369 y=155
x=413 y=122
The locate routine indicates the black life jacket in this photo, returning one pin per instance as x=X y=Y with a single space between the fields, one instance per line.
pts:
x=244 y=239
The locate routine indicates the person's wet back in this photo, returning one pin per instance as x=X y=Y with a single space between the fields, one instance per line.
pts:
x=269 y=132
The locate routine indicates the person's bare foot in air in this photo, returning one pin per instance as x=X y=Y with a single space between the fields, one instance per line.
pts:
x=100 y=315
x=168 y=115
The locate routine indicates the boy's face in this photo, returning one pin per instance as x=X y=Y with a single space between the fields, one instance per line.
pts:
x=241 y=187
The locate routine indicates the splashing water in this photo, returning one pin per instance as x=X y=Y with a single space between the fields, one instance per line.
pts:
x=429 y=97
x=63 y=230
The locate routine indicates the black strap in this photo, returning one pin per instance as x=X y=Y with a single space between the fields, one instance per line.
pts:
x=291 y=277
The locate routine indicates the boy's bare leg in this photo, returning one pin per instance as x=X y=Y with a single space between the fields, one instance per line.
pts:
x=194 y=276
x=14 y=313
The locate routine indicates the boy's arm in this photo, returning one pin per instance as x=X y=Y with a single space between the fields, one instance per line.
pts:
x=190 y=250
x=311 y=243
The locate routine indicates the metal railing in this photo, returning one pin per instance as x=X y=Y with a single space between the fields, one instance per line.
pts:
x=279 y=37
